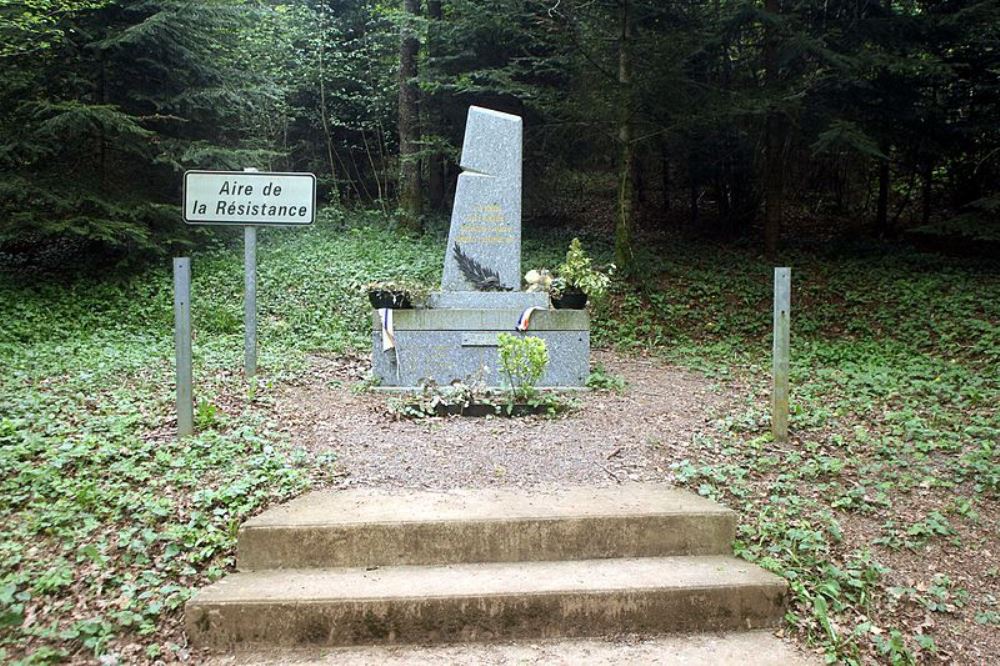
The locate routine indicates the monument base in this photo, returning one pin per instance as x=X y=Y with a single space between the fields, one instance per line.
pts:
x=443 y=345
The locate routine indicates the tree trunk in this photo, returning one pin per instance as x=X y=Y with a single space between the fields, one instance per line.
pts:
x=927 y=191
x=410 y=195
x=102 y=139
x=882 y=208
x=840 y=182
x=694 y=193
x=327 y=135
x=639 y=183
x=665 y=174
x=626 y=168
x=722 y=198
x=774 y=140
x=432 y=115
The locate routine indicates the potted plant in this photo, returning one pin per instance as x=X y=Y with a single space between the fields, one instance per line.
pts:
x=393 y=295
x=577 y=280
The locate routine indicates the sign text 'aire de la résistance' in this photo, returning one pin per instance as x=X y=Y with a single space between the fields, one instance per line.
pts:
x=249 y=197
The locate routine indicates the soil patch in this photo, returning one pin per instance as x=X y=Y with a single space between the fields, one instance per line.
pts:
x=945 y=587
x=611 y=437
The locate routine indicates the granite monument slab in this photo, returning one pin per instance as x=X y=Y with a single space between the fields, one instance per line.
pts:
x=484 y=243
x=456 y=336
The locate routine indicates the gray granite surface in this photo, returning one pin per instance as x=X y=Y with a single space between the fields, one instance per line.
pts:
x=485 y=234
x=489 y=300
x=444 y=356
x=455 y=337
x=422 y=319
x=445 y=345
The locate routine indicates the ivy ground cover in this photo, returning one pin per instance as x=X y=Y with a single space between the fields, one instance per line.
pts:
x=882 y=510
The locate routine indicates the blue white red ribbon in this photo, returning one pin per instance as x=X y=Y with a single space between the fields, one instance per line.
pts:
x=525 y=319
x=388 y=336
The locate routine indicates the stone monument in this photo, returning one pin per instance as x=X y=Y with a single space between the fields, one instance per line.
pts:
x=455 y=336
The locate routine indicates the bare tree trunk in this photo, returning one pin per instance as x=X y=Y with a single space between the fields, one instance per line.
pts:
x=410 y=195
x=722 y=198
x=882 y=208
x=102 y=139
x=840 y=183
x=324 y=118
x=432 y=113
x=775 y=135
x=904 y=204
x=378 y=182
x=694 y=193
x=626 y=168
x=928 y=190
x=665 y=173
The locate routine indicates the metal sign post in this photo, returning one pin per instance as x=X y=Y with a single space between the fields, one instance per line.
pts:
x=250 y=199
x=182 y=345
x=250 y=301
x=782 y=307
x=250 y=297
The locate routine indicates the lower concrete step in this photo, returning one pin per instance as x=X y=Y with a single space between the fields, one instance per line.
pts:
x=368 y=527
x=490 y=601
x=742 y=648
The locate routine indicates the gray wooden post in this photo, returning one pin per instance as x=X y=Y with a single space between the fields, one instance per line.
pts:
x=250 y=298
x=782 y=307
x=250 y=301
x=182 y=345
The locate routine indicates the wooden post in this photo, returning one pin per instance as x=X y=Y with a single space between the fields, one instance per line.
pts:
x=182 y=345
x=782 y=306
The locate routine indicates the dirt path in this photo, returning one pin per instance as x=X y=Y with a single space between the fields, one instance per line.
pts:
x=636 y=436
x=610 y=438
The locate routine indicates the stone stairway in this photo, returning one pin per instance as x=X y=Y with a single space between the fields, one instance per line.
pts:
x=370 y=567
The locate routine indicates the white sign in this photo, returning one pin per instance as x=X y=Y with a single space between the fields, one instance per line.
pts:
x=249 y=198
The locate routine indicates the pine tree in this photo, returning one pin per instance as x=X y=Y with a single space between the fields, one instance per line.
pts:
x=126 y=96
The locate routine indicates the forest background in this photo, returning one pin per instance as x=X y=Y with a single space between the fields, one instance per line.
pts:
x=697 y=144
x=735 y=119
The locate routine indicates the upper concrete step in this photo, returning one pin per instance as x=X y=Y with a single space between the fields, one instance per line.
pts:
x=367 y=527
x=487 y=601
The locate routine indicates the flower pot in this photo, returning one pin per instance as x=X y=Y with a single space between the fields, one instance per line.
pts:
x=384 y=298
x=570 y=300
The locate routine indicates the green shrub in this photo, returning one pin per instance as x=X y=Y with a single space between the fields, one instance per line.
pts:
x=523 y=360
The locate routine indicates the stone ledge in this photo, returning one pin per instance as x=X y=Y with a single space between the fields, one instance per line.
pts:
x=487 y=300
x=425 y=319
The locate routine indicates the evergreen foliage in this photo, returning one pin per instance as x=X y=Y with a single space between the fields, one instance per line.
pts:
x=98 y=126
x=657 y=114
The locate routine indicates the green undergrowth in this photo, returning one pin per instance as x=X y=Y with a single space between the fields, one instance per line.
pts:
x=895 y=385
x=107 y=523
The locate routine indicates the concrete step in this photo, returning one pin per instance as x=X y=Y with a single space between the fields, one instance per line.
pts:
x=744 y=648
x=366 y=527
x=485 y=601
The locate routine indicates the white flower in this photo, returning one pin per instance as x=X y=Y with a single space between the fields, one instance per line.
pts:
x=538 y=280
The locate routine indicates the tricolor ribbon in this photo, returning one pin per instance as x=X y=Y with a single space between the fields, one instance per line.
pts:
x=525 y=319
x=388 y=336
